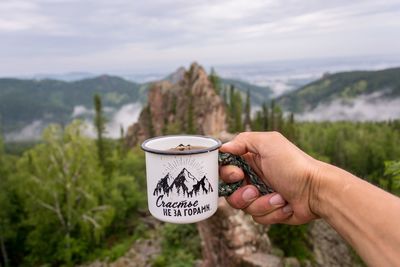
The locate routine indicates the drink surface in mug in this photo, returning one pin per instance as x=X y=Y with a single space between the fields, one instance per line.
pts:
x=182 y=180
x=187 y=147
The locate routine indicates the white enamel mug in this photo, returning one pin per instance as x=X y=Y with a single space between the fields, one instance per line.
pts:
x=182 y=186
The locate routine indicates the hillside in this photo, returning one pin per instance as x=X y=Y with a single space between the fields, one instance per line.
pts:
x=25 y=101
x=258 y=94
x=29 y=105
x=344 y=89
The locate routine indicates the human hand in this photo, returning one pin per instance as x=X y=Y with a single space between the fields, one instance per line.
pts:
x=283 y=166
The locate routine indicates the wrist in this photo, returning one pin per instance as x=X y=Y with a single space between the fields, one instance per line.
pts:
x=324 y=181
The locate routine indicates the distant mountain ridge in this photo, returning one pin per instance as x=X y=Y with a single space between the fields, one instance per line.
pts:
x=33 y=103
x=345 y=87
x=25 y=101
x=258 y=94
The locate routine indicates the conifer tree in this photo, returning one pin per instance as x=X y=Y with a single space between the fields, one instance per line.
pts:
x=266 y=121
x=272 y=122
x=247 y=110
x=289 y=130
x=100 y=122
x=225 y=96
x=190 y=122
x=150 y=127
x=235 y=111
x=6 y=230
x=215 y=81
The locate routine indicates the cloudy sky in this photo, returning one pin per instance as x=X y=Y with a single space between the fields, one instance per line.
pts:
x=56 y=36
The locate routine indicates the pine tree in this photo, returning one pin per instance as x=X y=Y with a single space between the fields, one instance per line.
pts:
x=231 y=109
x=150 y=127
x=225 y=96
x=235 y=111
x=289 y=130
x=278 y=119
x=6 y=225
x=215 y=81
x=247 y=109
x=266 y=121
x=190 y=117
x=121 y=142
x=100 y=122
x=272 y=120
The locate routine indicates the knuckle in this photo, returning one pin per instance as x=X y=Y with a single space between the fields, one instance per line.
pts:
x=275 y=135
x=243 y=135
x=236 y=202
x=261 y=220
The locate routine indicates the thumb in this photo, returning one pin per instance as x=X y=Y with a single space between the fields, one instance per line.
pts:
x=242 y=144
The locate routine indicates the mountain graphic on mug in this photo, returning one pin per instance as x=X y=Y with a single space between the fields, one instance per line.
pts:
x=185 y=184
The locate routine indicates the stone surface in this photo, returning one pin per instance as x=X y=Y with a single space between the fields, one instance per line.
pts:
x=291 y=262
x=262 y=260
x=140 y=255
x=188 y=103
x=329 y=248
x=231 y=238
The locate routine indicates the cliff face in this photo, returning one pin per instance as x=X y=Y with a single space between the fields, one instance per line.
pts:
x=185 y=104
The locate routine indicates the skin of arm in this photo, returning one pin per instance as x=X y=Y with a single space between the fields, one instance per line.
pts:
x=306 y=189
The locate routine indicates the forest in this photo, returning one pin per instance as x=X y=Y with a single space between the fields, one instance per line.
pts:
x=70 y=199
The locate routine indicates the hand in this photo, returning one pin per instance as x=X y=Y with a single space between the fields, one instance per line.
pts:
x=283 y=166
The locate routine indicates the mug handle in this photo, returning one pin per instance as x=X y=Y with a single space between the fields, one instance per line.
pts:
x=225 y=189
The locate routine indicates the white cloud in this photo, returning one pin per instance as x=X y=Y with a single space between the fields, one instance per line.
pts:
x=72 y=35
x=32 y=131
x=365 y=108
x=81 y=111
x=123 y=117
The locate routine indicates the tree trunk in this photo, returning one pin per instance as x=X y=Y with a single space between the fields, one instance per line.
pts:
x=4 y=252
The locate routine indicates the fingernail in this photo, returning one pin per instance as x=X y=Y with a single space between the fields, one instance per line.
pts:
x=249 y=194
x=287 y=209
x=276 y=200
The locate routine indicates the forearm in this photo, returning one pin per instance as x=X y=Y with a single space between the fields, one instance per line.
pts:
x=366 y=216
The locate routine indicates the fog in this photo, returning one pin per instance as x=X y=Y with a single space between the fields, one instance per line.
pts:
x=123 y=117
x=81 y=111
x=32 y=131
x=365 y=108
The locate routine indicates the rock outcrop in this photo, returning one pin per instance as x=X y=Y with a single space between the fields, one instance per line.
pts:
x=231 y=238
x=329 y=248
x=186 y=103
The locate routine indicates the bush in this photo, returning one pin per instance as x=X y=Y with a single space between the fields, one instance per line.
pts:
x=180 y=246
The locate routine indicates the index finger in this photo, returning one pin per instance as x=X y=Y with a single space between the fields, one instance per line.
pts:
x=243 y=143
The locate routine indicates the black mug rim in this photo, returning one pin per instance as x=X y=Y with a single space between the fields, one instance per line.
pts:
x=185 y=152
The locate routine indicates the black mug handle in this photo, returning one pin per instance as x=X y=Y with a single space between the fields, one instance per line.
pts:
x=225 y=189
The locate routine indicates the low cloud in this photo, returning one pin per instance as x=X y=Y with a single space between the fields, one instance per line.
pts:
x=123 y=117
x=365 y=108
x=81 y=111
x=32 y=131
